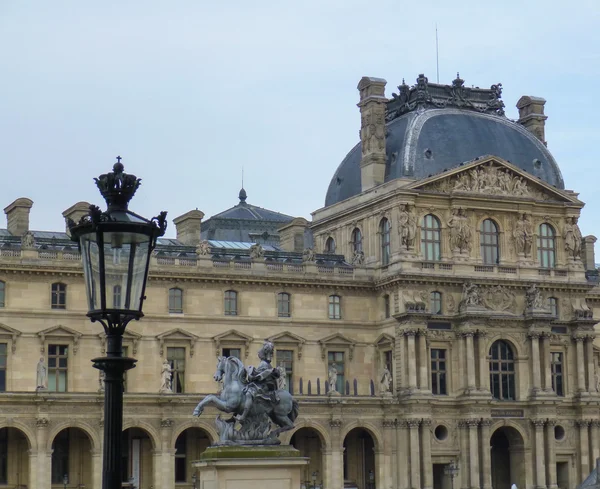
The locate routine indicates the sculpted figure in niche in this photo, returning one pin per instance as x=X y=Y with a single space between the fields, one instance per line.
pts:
x=460 y=231
x=385 y=381
x=533 y=298
x=471 y=294
x=523 y=235
x=332 y=378
x=203 y=248
x=407 y=227
x=41 y=377
x=166 y=375
x=572 y=237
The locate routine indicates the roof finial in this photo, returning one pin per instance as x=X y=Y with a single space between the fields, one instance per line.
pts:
x=242 y=195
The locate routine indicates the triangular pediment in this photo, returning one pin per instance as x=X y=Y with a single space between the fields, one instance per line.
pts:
x=128 y=336
x=384 y=340
x=56 y=333
x=285 y=339
x=177 y=335
x=492 y=176
x=8 y=332
x=232 y=336
x=337 y=340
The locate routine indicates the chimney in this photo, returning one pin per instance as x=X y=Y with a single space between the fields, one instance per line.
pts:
x=188 y=227
x=587 y=255
x=75 y=213
x=372 y=131
x=291 y=235
x=17 y=216
x=531 y=115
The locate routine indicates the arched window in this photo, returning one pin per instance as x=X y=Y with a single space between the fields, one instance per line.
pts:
x=553 y=306
x=330 y=245
x=175 y=300
x=357 y=246
x=231 y=305
x=546 y=245
x=335 y=307
x=59 y=296
x=502 y=371
x=284 y=307
x=2 y=293
x=117 y=297
x=435 y=302
x=431 y=238
x=489 y=238
x=384 y=232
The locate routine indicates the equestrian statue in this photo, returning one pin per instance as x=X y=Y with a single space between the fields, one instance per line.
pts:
x=255 y=399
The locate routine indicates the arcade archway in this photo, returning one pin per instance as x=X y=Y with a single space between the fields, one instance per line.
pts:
x=359 y=458
x=308 y=441
x=71 y=458
x=508 y=458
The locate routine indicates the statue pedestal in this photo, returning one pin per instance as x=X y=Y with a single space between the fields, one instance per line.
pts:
x=250 y=467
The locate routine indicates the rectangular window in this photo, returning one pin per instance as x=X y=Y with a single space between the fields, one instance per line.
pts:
x=180 y=458
x=336 y=358
x=3 y=361
x=285 y=360
x=2 y=293
x=59 y=296
x=58 y=356
x=60 y=457
x=438 y=372
x=175 y=301
x=386 y=306
x=557 y=373
x=232 y=352
x=283 y=305
x=117 y=297
x=231 y=306
x=176 y=356
x=335 y=307
x=387 y=358
x=3 y=456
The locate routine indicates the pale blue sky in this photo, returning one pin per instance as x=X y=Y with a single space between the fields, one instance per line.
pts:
x=188 y=92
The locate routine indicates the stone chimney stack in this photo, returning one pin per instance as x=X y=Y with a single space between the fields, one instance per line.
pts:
x=75 y=213
x=17 y=216
x=372 y=131
x=188 y=227
x=531 y=115
x=291 y=235
x=588 y=255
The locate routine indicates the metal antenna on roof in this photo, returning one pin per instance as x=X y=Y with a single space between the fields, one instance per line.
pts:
x=242 y=177
x=437 y=57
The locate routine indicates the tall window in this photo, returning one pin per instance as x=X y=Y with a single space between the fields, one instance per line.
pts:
x=502 y=371
x=438 y=372
x=60 y=456
x=336 y=358
x=553 y=306
x=431 y=238
x=176 y=357
x=59 y=296
x=285 y=360
x=117 y=297
x=2 y=293
x=232 y=352
x=335 y=307
x=180 y=458
x=386 y=306
x=231 y=305
x=4 y=456
x=330 y=245
x=384 y=232
x=357 y=246
x=546 y=245
x=388 y=360
x=489 y=239
x=58 y=356
x=435 y=302
x=175 y=300
x=557 y=373
x=284 y=309
x=3 y=359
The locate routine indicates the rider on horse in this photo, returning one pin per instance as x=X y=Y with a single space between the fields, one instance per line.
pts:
x=262 y=381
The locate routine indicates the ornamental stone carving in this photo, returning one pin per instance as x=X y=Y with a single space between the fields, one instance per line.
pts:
x=572 y=238
x=471 y=296
x=358 y=259
x=407 y=227
x=523 y=236
x=533 y=299
x=28 y=241
x=460 y=231
x=203 y=248
x=499 y=299
x=308 y=255
x=256 y=252
x=372 y=131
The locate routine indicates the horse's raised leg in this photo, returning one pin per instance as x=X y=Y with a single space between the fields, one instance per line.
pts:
x=284 y=423
x=215 y=401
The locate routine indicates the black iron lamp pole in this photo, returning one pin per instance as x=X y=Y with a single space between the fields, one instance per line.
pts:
x=116 y=246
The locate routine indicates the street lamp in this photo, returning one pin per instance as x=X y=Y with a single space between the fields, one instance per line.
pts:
x=371 y=479
x=65 y=480
x=115 y=246
x=452 y=470
x=194 y=479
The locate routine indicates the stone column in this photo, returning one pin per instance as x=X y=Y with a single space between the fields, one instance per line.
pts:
x=580 y=364
x=484 y=373
x=402 y=455
x=540 y=466
x=335 y=468
x=464 y=454
x=423 y=361
x=473 y=454
x=594 y=440
x=385 y=463
x=547 y=362
x=550 y=455
x=535 y=362
x=589 y=354
x=471 y=382
x=33 y=464
x=44 y=454
x=486 y=454
x=157 y=468
x=584 y=466
x=415 y=457
x=96 y=468
x=427 y=467
x=165 y=475
x=411 y=359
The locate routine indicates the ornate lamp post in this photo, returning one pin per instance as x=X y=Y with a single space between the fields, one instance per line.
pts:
x=371 y=479
x=452 y=470
x=116 y=246
x=194 y=479
x=65 y=480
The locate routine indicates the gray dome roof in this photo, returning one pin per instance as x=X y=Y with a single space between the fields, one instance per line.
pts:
x=427 y=141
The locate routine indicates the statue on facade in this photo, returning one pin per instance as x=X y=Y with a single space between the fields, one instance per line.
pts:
x=166 y=376
x=28 y=241
x=203 y=248
x=254 y=398
x=471 y=295
x=358 y=259
x=460 y=231
x=308 y=255
x=332 y=378
x=281 y=379
x=572 y=236
x=385 y=381
x=523 y=236
x=256 y=251
x=533 y=298
x=101 y=379
x=407 y=227
x=41 y=376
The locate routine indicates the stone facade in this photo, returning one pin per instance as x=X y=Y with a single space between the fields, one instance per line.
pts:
x=471 y=290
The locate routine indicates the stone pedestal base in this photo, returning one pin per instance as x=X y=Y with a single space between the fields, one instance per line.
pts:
x=250 y=467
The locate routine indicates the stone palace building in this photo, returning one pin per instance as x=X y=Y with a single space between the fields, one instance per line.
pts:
x=447 y=254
